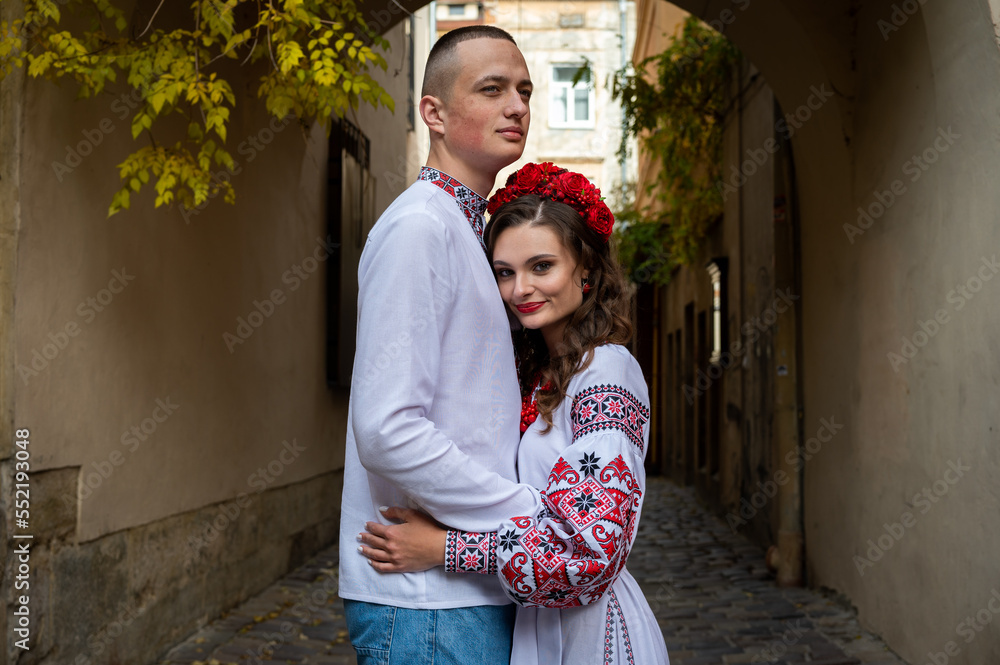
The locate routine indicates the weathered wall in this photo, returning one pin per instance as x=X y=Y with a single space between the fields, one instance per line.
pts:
x=735 y=435
x=927 y=92
x=170 y=366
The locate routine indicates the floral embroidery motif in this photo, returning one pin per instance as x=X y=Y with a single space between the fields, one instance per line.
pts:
x=473 y=205
x=588 y=464
x=585 y=504
x=609 y=407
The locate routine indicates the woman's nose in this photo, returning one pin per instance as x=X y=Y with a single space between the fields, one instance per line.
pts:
x=522 y=285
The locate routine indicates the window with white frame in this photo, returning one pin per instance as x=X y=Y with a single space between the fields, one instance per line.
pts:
x=571 y=105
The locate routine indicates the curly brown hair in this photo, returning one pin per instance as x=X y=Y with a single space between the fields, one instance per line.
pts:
x=603 y=318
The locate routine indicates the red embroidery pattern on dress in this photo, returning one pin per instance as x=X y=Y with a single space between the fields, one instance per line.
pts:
x=609 y=407
x=585 y=504
x=562 y=471
x=614 y=608
x=571 y=557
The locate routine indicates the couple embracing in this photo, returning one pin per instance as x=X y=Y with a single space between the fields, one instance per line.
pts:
x=497 y=428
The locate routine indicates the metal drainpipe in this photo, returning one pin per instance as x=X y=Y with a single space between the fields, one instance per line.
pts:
x=434 y=23
x=786 y=384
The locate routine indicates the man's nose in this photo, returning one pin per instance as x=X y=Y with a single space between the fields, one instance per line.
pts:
x=517 y=107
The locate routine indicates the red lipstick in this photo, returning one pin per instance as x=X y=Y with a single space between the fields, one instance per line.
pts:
x=529 y=307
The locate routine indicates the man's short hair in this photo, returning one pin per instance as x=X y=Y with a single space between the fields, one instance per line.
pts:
x=442 y=66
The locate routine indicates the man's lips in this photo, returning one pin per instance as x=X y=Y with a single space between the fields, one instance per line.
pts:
x=529 y=307
x=512 y=132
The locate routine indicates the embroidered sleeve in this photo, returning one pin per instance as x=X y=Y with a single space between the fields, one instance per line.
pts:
x=571 y=553
x=609 y=408
x=471 y=552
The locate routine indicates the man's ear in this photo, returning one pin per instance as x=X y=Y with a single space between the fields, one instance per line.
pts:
x=433 y=113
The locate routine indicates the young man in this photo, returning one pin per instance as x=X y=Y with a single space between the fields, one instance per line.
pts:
x=434 y=412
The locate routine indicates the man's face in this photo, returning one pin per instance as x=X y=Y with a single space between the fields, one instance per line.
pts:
x=486 y=121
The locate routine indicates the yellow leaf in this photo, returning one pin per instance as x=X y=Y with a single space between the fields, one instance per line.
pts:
x=157 y=100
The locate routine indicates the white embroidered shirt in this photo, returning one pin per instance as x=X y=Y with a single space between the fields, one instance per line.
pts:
x=434 y=408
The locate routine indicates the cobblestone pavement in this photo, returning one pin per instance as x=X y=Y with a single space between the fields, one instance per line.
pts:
x=709 y=588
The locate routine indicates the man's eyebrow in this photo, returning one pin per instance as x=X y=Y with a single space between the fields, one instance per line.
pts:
x=503 y=80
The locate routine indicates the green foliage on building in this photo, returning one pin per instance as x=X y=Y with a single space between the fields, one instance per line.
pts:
x=676 y=109
x=316 y=56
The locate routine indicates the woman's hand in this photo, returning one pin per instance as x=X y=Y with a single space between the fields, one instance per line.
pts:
x=415 y=545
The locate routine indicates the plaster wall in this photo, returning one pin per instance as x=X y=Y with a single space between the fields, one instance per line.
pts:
x=911 y=421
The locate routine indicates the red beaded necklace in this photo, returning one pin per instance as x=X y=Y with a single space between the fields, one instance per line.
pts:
x=529 y=405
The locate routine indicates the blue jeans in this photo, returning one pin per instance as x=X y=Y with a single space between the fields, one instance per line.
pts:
x=387 y=635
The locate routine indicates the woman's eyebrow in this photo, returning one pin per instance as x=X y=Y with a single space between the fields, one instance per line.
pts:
x=536 y=257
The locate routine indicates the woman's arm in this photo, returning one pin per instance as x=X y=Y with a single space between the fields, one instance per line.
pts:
x=573 y=549
x=571 y=552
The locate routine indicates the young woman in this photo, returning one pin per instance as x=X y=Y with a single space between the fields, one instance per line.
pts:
x=585 y=424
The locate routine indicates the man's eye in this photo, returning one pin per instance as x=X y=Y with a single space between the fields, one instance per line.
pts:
x=491 y=88
x=526 y=93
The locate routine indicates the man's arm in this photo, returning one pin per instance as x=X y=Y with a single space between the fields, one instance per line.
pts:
x=406 y=290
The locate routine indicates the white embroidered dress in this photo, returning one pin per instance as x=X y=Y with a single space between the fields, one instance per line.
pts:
x=565 y=565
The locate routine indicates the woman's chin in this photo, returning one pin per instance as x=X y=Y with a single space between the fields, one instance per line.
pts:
x=527 y=323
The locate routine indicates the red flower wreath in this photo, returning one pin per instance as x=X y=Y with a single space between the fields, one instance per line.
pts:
x=557 y=184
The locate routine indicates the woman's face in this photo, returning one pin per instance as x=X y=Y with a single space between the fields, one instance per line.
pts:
x=539 y=279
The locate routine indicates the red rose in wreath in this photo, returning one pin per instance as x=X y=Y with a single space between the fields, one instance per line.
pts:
x=528 y=177
x=600 y=219
x=575 y=184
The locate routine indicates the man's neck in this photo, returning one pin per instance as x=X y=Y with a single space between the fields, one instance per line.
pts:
x=480 y=183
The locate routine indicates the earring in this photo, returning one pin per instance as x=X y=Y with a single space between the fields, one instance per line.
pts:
x=586 y=287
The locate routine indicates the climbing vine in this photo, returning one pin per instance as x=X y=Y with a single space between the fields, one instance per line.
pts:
x=317 y=60
x=675 y=103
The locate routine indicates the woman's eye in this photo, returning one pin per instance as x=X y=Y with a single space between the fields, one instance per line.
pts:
x=542 y=267
x=502 y=272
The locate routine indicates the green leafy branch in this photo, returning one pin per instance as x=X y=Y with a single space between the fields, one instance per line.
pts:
x=675 y=103
x=320 y=56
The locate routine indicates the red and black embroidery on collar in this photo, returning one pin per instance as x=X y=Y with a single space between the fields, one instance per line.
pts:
x=472 y=205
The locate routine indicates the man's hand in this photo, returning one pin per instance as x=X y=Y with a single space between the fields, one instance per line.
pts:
x=414 y=545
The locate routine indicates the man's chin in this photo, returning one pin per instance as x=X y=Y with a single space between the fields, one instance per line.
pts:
x=509 y=157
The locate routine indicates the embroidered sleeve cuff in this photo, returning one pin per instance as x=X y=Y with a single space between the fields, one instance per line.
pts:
x=471 y=552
